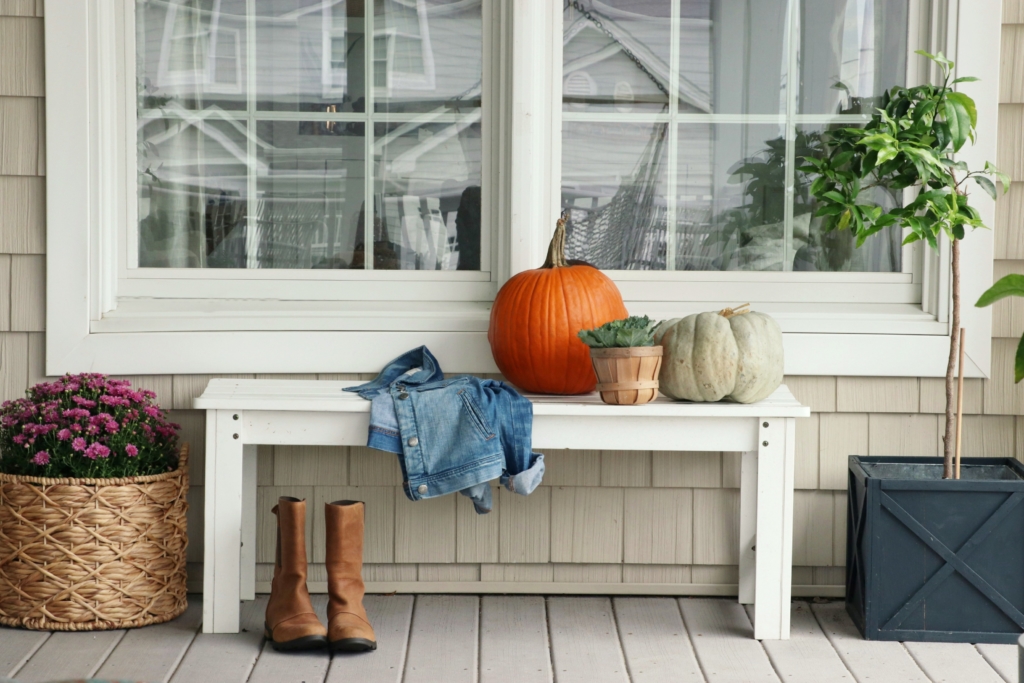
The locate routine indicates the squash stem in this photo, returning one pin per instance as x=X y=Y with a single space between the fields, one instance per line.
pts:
x=556 y=250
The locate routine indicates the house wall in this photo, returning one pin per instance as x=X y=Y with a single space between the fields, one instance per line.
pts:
x=605 y=517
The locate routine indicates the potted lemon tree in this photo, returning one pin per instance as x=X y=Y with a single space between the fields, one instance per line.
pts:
x=931 y=555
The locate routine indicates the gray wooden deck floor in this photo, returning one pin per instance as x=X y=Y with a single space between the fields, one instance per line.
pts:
x=520 y=639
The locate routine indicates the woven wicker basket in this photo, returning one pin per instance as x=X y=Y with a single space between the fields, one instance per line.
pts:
x=93 y=554
x=627 y=376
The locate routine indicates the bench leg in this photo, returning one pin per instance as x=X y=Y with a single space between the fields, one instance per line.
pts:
x=774 y=566
x=748 y=525
x=223 y=525
x=248 y=554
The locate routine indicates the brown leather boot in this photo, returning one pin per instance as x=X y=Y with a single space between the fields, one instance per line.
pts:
x=291 y=623
x=348 y=628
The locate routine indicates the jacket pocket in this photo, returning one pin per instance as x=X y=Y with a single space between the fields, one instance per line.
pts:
x=476 y=417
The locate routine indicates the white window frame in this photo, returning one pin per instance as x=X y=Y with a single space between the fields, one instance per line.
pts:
x=328 y=323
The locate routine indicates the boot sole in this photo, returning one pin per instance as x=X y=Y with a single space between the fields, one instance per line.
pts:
x=353 y=645
x=298 y=644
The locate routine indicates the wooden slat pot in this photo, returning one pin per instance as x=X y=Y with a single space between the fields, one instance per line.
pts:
x=627 y=376
x=93 y=554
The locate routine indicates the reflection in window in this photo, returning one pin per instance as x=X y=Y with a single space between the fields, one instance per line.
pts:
x=261 y=144
x=682 y=131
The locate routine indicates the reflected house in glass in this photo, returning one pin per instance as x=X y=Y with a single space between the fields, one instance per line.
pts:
x=260 y=144
x=681 y=132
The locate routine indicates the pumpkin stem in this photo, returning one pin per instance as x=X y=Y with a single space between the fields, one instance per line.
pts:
x=730 y=312
x=556 y=250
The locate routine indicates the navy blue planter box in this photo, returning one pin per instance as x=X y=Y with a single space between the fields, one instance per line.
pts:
x=929 y=559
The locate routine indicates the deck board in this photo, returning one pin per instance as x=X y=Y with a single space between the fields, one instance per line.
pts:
x=654 y=641
x=1002 y=658
x=298 y=667
x=723 y=639
x=526 y=639
x=17 y=646
x=952 y=662
x=870 y=661
x=69 y=655
x=808 y=656
x=584 y=641
x=391 y=616
x=443 y=639
x=225 y=657
x=514 y=640
x=164 y=645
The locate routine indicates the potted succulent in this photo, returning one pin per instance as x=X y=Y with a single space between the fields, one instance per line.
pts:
x=929 y=557
x=92 y=508
x=625 y=359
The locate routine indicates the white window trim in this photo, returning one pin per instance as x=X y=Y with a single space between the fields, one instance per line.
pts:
x=91 y=328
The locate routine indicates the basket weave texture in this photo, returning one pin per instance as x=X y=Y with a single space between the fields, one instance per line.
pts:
x=93 y=554
x=629 y=375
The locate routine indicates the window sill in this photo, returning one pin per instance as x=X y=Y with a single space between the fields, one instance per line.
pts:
x=167 y=336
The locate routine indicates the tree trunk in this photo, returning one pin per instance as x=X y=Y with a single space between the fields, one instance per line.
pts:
x=954 y=343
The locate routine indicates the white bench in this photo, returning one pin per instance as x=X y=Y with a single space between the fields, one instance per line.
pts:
x=243 y=413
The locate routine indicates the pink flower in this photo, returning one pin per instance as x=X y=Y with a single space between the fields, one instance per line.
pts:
x=97 y=450
x=64 y=434
x=19 y=439
x=114 y=400
x=76 y=427
x=41 y=458
x=131 y=450
x=151 y=411
x=78 y=444
x=76 y=413
x=111 y=427
x=83 y=402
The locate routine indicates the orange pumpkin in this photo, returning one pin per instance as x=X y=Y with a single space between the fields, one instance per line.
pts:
x=537 y=315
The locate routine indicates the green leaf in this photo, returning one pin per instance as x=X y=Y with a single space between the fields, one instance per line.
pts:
x=953 y=121
x=966 y=79
x=844 y=220
x=986 y=185
x=834 y=196
x=829 y=210
x=967 y=103
x=1018 y=362
x=1009 y=285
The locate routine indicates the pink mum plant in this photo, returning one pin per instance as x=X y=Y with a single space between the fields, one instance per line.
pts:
x=86 y=425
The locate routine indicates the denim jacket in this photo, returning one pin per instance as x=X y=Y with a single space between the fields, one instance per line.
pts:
x=452 y=434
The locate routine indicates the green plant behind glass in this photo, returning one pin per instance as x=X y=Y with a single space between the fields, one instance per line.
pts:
x=910 y=142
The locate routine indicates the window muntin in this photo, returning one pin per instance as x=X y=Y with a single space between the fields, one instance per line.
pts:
x=682 y=129
x=275 y=169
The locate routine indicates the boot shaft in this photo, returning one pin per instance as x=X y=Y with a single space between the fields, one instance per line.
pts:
x=290 y=555
x=345 y=524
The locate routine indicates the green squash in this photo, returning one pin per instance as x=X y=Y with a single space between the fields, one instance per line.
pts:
x=730 y=354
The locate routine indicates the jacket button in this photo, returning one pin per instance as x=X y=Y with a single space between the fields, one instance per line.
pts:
x=414 y=441
x=403 y=396
x=422 y=488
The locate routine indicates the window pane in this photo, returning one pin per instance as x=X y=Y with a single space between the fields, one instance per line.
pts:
x=427 y=196
x=192 y=193
x=613 y=183
x=272 y=171
x=310 y=191
x=731 y=57
x=695 y=177
x=427 y=55
x=851 y=52
x=190 y=54
x=731 y=197
x=310 y=55
x=837 y=250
